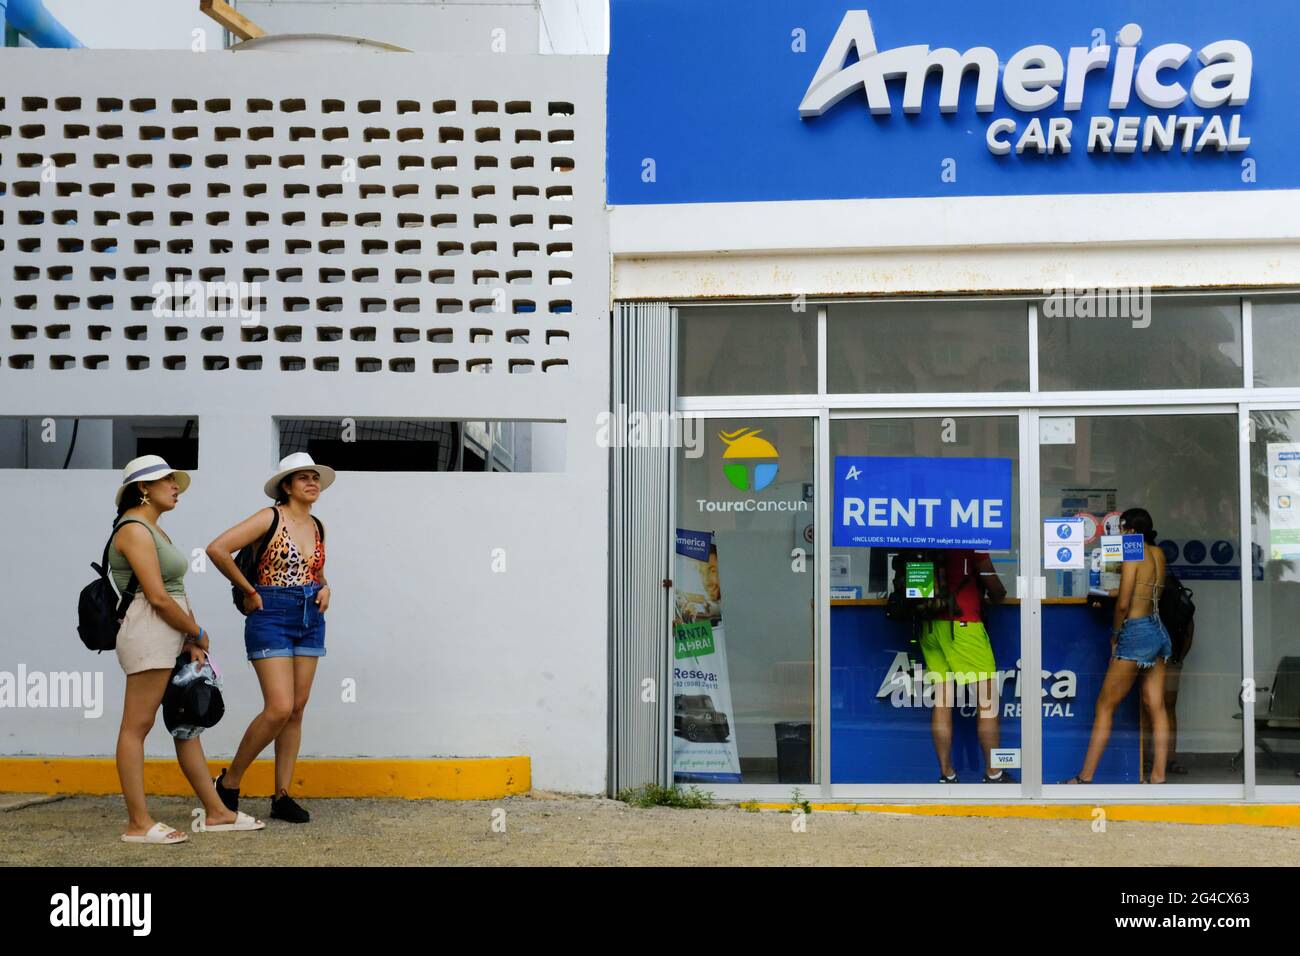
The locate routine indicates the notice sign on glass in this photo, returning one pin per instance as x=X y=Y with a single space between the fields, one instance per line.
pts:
x=1283 y=501
x=1123 y=547
x=920 y=579
x=1063 y=540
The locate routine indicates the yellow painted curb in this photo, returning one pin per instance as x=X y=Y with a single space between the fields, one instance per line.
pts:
x=450 y=778
x=1259 y=815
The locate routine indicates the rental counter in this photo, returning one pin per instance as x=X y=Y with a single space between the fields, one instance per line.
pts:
x=880 y=713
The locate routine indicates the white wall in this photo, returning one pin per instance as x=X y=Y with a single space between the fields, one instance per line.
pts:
x=967 y=244
x=450 y=656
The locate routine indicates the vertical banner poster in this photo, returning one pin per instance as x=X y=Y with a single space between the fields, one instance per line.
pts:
x=1283 y=501
x=704 y=732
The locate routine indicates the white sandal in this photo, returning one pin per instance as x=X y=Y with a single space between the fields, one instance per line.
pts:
x=242 y=822
x=160 y=834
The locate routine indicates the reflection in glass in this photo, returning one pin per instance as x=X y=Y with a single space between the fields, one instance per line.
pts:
x=875 y=347
x=1275 y=332
x=1275 y=532
x=746 y=350
x=743 y=619
x=1182 y=470
x=1181 y=343
x=909 y=702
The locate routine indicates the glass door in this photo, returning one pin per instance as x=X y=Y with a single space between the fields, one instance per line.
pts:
x=1138 y=687
x=743 y=655
x=1270 y=705
x=925 y=622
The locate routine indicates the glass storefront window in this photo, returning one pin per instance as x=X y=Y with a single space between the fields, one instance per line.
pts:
x=1275 y=327
x=875 y=347
x=1182 y=470
x=745 y=695
x=1179 y=343
x=746 y=350
x=743 y=640
x=917 y=699
x=1275 y=530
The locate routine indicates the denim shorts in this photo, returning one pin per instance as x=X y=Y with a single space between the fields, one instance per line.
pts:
x=1143 y=640
x=288 y=625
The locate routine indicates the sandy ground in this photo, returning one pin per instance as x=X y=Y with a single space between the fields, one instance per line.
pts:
x=564 y=830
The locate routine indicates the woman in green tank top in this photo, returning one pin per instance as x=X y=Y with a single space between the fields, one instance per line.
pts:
x=159 y=626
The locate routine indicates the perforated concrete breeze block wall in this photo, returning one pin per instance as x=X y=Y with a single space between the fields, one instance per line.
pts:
x=415 y=236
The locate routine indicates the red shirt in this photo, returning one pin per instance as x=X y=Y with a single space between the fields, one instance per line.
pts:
x=962 y=570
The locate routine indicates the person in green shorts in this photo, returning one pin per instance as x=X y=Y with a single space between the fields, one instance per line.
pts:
x=958 y=652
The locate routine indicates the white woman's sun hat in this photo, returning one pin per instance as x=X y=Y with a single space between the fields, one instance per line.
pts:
x=298 y=461
x=149 y=468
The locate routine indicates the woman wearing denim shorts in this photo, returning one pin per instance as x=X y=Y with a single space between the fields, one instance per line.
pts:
x=1140 y=647
x=284 y=634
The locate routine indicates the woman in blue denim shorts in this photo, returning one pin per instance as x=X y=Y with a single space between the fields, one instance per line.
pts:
x=1139 y=647
x=284 y=633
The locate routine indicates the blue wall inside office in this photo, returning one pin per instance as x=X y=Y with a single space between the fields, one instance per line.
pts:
x=874 y=741
x=709 y=90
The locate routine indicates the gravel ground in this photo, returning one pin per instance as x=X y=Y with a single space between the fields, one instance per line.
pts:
x=565 y=830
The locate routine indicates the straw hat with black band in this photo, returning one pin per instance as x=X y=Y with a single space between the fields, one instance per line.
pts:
x=298 y=461
x=149 y=468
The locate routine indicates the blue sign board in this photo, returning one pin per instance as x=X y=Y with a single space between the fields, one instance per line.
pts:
x=1134 y=549
x=759 y=100
x=694 y=544
x=922 y=503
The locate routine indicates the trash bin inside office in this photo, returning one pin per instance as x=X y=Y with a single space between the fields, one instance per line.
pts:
x=794 y=752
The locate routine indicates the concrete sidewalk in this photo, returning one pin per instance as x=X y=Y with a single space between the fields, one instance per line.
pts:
x=562 y=830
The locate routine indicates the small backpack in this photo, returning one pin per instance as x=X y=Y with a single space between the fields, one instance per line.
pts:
x=248 y=557
x=99 y=609
x=899 y=607
x=1177 y=611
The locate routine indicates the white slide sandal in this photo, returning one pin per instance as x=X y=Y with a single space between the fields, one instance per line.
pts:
x=159 y=835
x=242 y=822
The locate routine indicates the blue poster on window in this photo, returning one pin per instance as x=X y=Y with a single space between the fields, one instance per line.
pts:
x=922 y=503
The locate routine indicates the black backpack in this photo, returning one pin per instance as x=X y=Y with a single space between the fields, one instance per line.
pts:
x=248 y=557
x=899 y=607
x=99 y=609
x=1177 y=611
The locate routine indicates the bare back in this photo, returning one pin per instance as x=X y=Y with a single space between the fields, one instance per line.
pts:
x=1150 y=583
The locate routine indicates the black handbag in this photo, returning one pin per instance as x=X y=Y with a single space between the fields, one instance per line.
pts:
x=99 y=609
x=192 y=701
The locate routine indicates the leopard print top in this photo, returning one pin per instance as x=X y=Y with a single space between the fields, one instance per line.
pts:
x=282 y=565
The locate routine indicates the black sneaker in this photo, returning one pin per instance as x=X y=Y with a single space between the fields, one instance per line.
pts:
x=285 y=808
x=229 y=796
x=953 y=779
x=1002 y=777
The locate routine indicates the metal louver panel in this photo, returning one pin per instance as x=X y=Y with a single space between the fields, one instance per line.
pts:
x=640 y=500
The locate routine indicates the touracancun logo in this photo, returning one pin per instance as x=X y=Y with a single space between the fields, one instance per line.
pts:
x=756 y=474
x=1030 y=82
